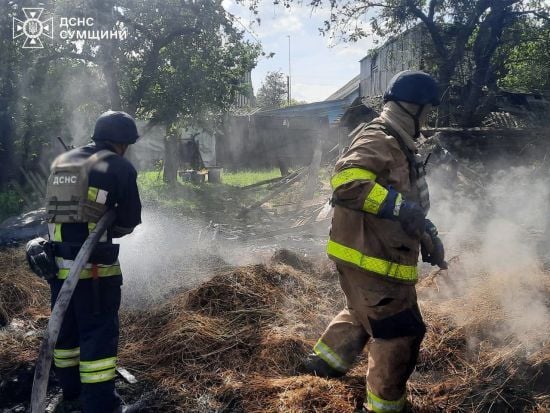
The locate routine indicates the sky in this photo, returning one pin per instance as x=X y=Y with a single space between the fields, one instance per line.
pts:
x=319 y=65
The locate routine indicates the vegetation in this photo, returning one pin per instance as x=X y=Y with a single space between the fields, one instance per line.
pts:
x=180 y=65
x=245 y=178
x=10 y=204
x=274 y=91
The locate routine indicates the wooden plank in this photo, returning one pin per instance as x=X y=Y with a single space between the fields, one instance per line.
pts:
x=272 y=195
x=36 y=187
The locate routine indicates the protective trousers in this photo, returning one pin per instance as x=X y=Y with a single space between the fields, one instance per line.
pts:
x=387 y=314
x=86 y=350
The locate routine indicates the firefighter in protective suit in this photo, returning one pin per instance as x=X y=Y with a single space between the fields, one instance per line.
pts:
x=380 y=199
x=85 y=354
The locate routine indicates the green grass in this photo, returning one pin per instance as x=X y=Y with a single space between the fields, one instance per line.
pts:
x=245 y=178
x=204 y=199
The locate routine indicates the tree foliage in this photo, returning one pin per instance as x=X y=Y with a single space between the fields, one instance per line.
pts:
x=181 y=64
x=273 y=92
x=524 y=57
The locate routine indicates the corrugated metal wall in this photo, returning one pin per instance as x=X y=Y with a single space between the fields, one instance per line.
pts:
x=402 y=53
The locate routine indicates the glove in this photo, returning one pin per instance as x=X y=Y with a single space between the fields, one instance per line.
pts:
x=431 y=247
x=410 y=215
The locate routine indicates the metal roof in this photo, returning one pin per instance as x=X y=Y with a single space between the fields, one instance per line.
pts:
x=346 y=90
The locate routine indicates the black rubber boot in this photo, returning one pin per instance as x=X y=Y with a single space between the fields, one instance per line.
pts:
x=313 y=364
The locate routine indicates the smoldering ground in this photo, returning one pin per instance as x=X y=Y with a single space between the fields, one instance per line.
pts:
x=171 y=252
x=500 y=240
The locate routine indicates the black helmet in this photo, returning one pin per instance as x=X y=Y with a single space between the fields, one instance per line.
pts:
x=40 y=255
x=116 y=127
x=414 y=87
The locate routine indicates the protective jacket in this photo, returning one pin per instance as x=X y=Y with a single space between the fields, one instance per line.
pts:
x=382 y=154
x=84 y=183
x=112 y=184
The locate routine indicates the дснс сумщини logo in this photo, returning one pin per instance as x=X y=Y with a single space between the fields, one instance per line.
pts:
x=32 y=28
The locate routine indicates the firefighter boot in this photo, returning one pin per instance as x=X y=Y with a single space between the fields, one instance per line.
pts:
x=313 y=364
x=69 y=406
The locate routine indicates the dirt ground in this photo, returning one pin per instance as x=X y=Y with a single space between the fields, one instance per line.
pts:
x=233 y=343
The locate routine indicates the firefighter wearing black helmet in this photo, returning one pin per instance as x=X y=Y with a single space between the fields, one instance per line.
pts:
x=381 y=200
x=83 y=184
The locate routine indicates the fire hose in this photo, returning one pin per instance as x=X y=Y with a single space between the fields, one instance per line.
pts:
x=43 y=364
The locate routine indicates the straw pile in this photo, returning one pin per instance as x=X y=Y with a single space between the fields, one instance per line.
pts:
x=23 y=310
x=233 y=345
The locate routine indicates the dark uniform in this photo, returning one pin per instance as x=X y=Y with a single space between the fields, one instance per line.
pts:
x=86 y=350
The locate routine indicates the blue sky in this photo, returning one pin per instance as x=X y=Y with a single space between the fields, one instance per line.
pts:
x=319 y=65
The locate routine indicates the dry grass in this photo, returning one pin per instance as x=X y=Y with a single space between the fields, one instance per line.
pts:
x=233 y=344
x=23 y=308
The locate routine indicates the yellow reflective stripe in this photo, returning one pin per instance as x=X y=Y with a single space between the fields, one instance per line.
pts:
x=330 y=357
x=375 y=199
x=97 y=365
x=102 y=271
x=92 y=193
x=57 y=233
x=91 y=226
x=98 y=377
x=373 y=264
x=379 y=405
x=398 y=202
x=64 y=363
x=66 y=353
x=349 y=175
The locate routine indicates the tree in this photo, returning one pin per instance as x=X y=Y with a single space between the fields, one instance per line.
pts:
x=180 y=65
x=456 y=28
x=273 y=91
x=524 y=59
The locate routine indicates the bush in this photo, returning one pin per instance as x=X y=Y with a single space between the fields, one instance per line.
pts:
x=10 y=204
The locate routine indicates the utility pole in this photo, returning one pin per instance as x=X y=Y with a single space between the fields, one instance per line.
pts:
x=289 y=77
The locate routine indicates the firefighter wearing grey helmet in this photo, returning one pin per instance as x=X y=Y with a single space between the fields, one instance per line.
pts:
x=84 y=183
x=380 y=200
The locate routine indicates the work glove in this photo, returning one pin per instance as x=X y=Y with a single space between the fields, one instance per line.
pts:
x=409 y=214
x=431 y=247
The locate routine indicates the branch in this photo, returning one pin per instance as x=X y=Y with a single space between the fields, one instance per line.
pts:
x=151 y=65
x=138 y=26
x=431 y=12
x=428 y=21
x=66 y=54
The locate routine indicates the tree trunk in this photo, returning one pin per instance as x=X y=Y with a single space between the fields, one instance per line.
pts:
x=6 y=144
x=444 y=110
x=171 y=163
x=485 y=45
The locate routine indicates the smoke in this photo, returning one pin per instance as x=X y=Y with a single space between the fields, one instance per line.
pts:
x=501 y=240
x=170 y=252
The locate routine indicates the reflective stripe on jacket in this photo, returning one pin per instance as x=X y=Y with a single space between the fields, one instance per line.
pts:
x=374 y=161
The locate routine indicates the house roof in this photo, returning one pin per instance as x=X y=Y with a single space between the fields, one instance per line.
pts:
x=332 y=108
x=346 y=90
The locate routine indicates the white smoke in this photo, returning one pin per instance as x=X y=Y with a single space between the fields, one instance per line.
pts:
x=501 y=241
